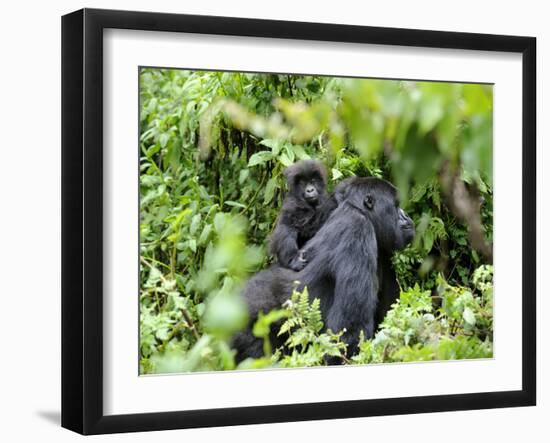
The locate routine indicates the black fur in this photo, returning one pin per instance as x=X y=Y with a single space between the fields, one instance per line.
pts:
x=305 y=208
x=350 y=269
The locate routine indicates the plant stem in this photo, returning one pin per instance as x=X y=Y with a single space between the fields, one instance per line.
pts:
x=253 y=199
x=289 y=86
x=156 y=262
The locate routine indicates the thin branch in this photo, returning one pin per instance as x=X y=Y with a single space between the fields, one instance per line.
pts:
x=466 y=206
x=253 y=199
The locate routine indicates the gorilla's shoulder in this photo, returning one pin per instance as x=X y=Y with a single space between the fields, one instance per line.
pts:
x=346 y=216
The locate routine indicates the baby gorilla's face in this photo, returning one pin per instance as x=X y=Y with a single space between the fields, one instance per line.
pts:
x=306 y=181
x=310 y=189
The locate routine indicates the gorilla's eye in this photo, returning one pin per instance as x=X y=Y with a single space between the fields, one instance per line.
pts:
x=369 y=202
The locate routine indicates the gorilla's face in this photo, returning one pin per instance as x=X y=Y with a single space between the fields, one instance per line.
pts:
x=310 y=189
x=306 y=180
x=377 y=200
x=405 y=229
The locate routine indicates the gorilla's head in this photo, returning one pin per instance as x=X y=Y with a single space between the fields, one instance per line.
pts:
x=306 y=181
x=377 y=200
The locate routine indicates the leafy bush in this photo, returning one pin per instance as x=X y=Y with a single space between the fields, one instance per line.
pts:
x=213 y=147
x=415 y=330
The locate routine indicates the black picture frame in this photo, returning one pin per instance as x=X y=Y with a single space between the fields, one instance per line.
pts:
x=82 y=218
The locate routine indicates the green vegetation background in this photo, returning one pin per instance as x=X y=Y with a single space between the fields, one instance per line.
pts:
x=213 y=146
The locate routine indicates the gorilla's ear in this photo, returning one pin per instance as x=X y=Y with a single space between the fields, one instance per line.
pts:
x=322 y=172
x=341 y=189
x=290 y=174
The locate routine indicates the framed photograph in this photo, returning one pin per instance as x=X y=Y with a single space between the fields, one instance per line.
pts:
x=269 y=221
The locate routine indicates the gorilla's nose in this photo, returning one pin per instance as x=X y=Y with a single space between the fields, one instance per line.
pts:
x=408 y=225
x=404 y=220
x=310 y=190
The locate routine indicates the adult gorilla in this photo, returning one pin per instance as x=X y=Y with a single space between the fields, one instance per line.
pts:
x=349 y=270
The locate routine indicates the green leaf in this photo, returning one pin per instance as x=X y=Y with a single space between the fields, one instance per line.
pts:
x=469 y=316
x=270 y=190
x=300 y=152
x=243 y=175
x=225 y=314
x=162 y=334
x=219 y=221
x=195 y=224
x=205 y=234
x=274 y=144
x=431 y=112
x=290 y=152
x=234 y=204
x=260 y=158
x=285 y=161
x=262 y=327
x=163 y=139
x=428 y=241
x=336 y=174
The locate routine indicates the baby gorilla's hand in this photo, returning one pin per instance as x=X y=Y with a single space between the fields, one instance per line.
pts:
x=299 y=262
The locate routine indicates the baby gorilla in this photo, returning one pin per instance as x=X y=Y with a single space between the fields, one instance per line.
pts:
x=305 y=208
x=350 y=270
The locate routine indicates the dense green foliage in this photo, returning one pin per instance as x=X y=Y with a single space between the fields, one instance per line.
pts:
x=213 y=147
